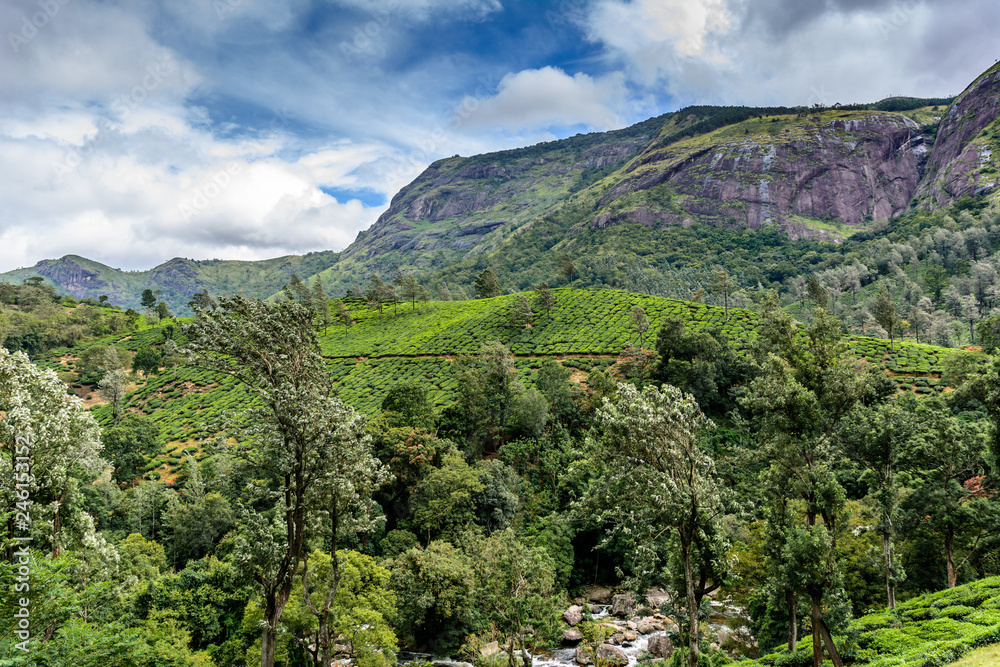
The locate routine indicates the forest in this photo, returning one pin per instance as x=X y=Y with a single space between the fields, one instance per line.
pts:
x=306 y=479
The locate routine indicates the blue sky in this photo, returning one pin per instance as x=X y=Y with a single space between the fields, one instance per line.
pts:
x=136 y=131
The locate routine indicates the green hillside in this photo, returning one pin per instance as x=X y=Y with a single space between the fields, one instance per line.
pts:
x=932 y=629
x=586 y=330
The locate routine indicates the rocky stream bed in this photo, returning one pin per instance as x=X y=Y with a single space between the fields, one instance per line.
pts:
x=631 y=630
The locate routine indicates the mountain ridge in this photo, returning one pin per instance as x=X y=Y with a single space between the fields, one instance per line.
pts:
x=813 y=173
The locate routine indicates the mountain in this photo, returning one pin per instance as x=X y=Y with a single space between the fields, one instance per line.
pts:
x=618 y=201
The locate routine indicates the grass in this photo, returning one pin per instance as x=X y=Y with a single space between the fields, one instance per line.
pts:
x=988 y=656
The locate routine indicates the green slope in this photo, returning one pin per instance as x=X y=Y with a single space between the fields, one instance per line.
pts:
x=929 y=630
x=585 y=330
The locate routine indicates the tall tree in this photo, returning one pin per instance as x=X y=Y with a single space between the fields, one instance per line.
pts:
x=544 y=300
x=875 y=438
x=321 y=304
x=148 y=300
x=515 y=584
x=487 y=285
x=944 y=454
x=817 y=293
x=112 y=388
x=146 y=361
x=885 y=313
x=292 y=443
x=798 y=403
x=566 y=268
x=520 y=312
x=723 y=284
x=129 y=444
x=45 y=439
x=411 y=290
x=638 y=322
x=377 y=294
x=655 y=477
x=344 y=486
x=342 y=315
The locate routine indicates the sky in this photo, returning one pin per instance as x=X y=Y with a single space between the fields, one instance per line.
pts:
x=134 y=131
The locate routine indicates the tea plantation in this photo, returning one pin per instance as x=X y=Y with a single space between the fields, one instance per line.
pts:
x=929 y=630
x=586 y=329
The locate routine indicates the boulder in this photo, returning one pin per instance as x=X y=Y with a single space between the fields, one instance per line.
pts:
x=573 y=615
x=660 y=646
x=572 y=636
x=622 y=605
x=656 y=597
x=450 y=663
x=646 y=626
x=492 y=648
x=599 y=594
x=595 y=609
x=630 y=635
x=616 y=639
x=583 y=656
x=611 y=655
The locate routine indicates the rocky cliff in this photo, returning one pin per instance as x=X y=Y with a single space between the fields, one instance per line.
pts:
x=964 y=160
x=849 y=167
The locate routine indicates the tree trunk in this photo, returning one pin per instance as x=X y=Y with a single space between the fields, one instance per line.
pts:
x=267 y=646
x=692 y=605
x=325 y=642
x=830 y=646
x=890 y=585
x=949 y=550
x=793 y=622
x=274 y=605
x=817 y=646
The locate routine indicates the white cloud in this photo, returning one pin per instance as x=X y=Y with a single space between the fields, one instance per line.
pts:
x=651 y=34
x=788 y=52
x=538 y=98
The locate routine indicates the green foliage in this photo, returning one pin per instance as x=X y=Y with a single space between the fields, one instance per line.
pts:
x=433 y=587
x=409 y=404
x=444 y=502
x=129 y=445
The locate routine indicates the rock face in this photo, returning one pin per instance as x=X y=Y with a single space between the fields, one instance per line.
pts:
x=965 y=154
x=849 y=167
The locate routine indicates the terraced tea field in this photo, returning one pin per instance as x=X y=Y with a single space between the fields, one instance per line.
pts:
x=585 y=330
